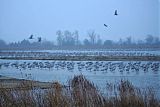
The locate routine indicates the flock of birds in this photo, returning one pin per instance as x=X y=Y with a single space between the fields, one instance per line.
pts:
x=116 y=14
x=39 y=38
x=72 y=53
x=90 y=66
x=83 y=66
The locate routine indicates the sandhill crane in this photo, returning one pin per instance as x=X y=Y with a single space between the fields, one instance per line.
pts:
x=39 y=39
x=115 y=13
x=31 y=37
x=105 y=25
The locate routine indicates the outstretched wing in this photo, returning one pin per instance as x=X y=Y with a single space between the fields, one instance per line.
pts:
x=105 y=25
x=31 y=37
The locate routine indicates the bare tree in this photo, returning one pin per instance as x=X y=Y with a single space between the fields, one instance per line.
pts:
x=76 y=34
x=149 y=39
x=129 y=40
x=69 y=38
x=2 y=43
x=92 y=36
x=59 y=37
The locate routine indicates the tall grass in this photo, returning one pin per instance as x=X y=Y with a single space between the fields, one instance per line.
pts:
x=79 y=93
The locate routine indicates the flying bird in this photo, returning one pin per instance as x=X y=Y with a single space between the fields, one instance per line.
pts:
x=39 y=39
x=105 y=25
x=115 y=13
x=31 y=37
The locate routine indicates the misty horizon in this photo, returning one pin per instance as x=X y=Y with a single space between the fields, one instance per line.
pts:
x=19 y=19
x=81 y=40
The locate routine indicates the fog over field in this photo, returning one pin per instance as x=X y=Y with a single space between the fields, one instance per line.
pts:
x=136 y=18
x=80 y=53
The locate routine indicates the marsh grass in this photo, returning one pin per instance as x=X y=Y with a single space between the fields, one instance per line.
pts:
x=79 y=93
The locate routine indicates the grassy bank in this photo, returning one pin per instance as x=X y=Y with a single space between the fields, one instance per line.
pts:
x=79 y=93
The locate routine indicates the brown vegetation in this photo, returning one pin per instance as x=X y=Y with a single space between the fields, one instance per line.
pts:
x=79 y=93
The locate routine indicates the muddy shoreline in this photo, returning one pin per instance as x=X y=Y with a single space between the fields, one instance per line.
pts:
x=14 y=83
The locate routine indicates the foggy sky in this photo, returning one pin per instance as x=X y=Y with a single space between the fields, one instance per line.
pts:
x=21 y=18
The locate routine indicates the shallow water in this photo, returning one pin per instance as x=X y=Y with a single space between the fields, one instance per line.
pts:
x=99 y=72
x=103 y=52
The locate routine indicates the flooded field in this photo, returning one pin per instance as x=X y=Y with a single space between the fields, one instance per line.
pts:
x=141 y=73
x=51 y=53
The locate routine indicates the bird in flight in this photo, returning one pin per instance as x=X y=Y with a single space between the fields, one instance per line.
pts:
x=105 y=25
x=115 y=13
x=31 y=37
x=39 y=39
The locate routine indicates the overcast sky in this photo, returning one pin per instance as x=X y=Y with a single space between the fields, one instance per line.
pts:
x=21 y=18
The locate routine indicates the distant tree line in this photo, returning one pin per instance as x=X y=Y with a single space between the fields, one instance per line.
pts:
x=26 y=45
x=70 y=40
